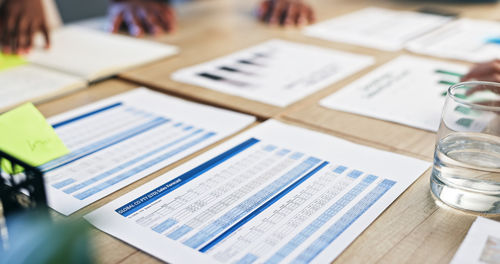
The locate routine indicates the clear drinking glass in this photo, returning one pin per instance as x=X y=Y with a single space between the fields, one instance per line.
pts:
x=466 y=172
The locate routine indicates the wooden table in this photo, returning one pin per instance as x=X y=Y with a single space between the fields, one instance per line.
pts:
x=394 y=136
x=213 y=28
x=210 y=29
x=414 y=229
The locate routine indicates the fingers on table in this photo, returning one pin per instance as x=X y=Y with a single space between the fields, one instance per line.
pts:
x=140 y=19
x=488 y=71
x=116 y=21
x=9 y=35
x=133 y=21
x=277 y=12
x=263 y=10
x=285 y=12
x=18 y=29
x=158 y=18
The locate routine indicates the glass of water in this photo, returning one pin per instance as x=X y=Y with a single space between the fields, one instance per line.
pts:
x=466 y=172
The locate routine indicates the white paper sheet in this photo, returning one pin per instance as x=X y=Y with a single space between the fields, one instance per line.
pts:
x=28 y=83
x=93 y=55
x=377 y=28
x=481 y=245
x=275 y=72
x=464 y=39
x=408 y=90
x=276 y=192
x=119 y=140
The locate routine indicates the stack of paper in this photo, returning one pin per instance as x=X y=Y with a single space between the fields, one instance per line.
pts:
x=34 y=83
x=77 y=56
x=274 y=194
x=94 y=55
x=377 y=27
x=119 y=140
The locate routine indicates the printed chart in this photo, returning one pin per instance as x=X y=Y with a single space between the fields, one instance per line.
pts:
x=408 y=90
x=122 y=139
x=276 y=72
x=263 y=197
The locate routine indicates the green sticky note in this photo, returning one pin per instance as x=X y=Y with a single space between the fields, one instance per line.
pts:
x=26 y=135
x=10 y=61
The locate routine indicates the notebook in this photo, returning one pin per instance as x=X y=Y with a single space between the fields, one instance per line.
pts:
x=77 y=56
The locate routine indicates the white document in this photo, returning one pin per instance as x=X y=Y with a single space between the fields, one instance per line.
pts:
x=481 y=245
x=119 y=140
x=275 y=194
x=33 y=83
x=377 y=28
x=77 y=55
x=464 y=39
x=276 y=72
x=408 y=90
x=94 y=55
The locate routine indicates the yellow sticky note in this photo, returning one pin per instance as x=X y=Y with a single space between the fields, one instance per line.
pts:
x=26 y=135
x=10 y=61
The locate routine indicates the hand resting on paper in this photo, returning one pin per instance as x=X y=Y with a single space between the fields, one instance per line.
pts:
x=286 y=12
x=142 y=17
x=489 y=72
x=20 y=20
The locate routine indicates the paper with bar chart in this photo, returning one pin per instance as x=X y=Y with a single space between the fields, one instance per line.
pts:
x=465 y=39
x=275 y=72
x=274 y=194
x=407 y=90
x=119 y=140
x=377 y=28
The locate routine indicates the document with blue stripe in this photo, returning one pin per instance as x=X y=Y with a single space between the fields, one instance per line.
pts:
x=274 y=194
x=119 y=140
x=472 y=40
x=378 y=28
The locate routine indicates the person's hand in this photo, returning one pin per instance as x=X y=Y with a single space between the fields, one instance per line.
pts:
x=480 y=88
x=20 y=20
x=489 y=72
x=142 y=16
x=286 y=12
